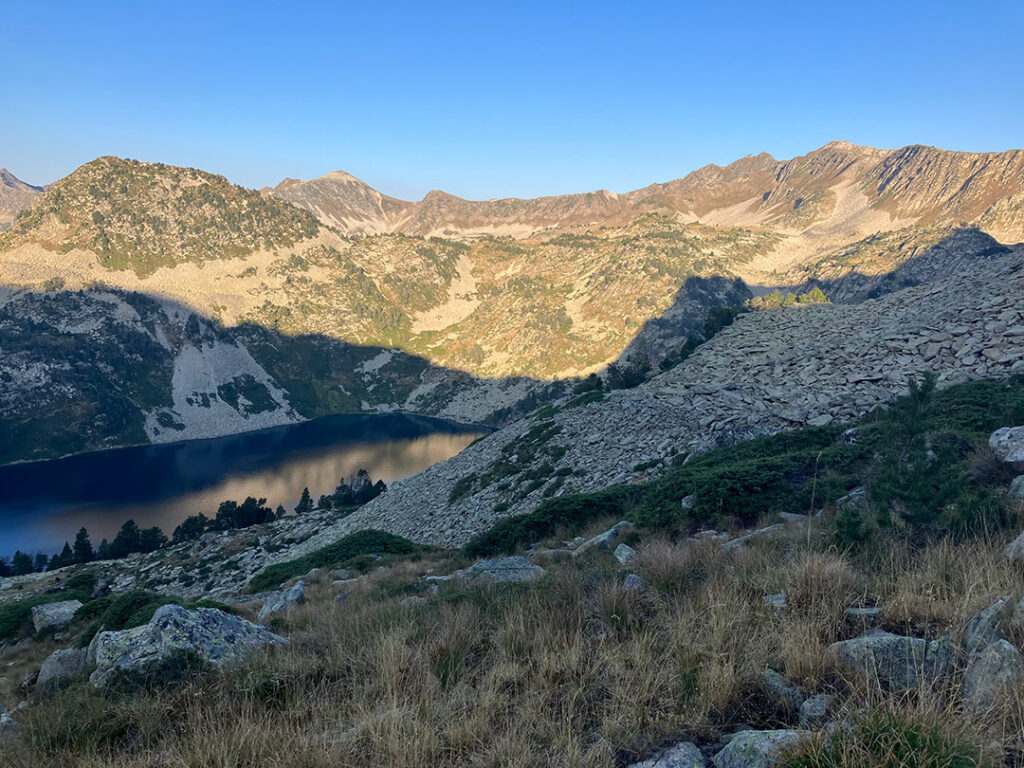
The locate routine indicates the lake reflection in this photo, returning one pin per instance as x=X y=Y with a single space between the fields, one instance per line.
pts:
x=43 y=504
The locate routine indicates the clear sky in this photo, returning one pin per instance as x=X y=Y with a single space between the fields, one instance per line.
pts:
x=487 y=99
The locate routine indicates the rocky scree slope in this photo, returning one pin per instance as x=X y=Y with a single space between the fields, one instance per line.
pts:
x=769 y=371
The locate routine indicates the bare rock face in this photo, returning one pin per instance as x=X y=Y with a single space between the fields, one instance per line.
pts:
x=993 y=672
x=61 y=665
x=216 y=637
x=681 y=755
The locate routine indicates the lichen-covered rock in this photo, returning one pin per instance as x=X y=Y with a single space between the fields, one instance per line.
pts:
x=1008 y=444
x=983 y=628
x=633 y=583
x=501 y=570
x=625 y=554
x=54 y=615
x=996 y=670
x=61 y=665
x=604 y=540
x=1017 y=487
x=217 y=638
x=682 y=755
x=783 y=691
x=897 y=662
x=939 y=659
x=758 y=749
x=283 y=601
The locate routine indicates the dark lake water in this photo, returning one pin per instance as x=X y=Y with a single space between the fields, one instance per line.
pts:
x=43 y=504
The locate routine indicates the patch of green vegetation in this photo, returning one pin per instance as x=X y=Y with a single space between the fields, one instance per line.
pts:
x=924 y=463
x=777 y=299
x=890 y=739
x=368 y=542
x=16 y=617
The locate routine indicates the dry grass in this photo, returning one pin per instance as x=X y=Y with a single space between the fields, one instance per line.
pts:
x=572 y=671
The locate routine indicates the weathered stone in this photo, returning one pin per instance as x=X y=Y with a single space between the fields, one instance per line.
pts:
x=760 y=533
x=681 y=755
x=604 y=540
x=633 y=583
x=61 y=665
x=52 y=616
x=218 y=638
x=782 y=690
x=1008 y=444
x=939 y=659
x=339 y=574
x=501 y=570
x=758 y=749
x=688 y=503
x=863 y=615
x=997 y=670
x=897 y=662
x=984 y=628
x=283 y=601
x=625 y=554
x=814 y=712
x=1017 y=487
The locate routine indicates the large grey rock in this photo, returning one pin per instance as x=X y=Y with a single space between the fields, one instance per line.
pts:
x=758 y=749
x=501 y=570
x=984 y=627
x=1017 y=487
x=283 y=601
x=218 y=638
x=604 y=541
x=896 y=661
x=814 y=711
x=996 y=670
x=760 y=533
x=633 y=583
x=939 y=659
x=782 y=690
x=61 y=665
x=1008 y=444
x=1015 y=549
x=54 y=615
x=682 y=755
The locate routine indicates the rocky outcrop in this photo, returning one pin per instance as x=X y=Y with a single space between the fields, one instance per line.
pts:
x=54 y=616
x=215 y=637
x=897 y=662
x=15 y=196
x=994 y=671
x=1008 y=444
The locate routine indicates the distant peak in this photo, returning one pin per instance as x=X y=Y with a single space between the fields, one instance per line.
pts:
x=340 y=175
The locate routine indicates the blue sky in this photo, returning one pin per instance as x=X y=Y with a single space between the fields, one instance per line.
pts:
x=493 y=99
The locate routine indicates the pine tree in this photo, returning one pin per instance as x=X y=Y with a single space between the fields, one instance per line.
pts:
x=5 y=569
x=305 y=503
x=41 y=562
x=66 y=556
x=83 y=547
x=128 y=540
x=103 y=551
x=21 y=565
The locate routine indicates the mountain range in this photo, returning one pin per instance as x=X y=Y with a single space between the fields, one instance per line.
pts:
x=326 y=295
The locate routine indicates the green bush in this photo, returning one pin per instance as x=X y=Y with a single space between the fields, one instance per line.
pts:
x=885 y=739
x=369 y=542
x=564 y=512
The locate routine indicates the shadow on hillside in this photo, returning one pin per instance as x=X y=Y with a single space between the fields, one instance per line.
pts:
x=125 y=369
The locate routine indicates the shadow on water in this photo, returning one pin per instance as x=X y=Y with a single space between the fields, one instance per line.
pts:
x=43 y=504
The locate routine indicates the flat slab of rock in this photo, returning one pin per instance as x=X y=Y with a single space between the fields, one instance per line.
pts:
x=502 y=570
x=1008 y=444
x=985 y=627
x=758 y=749
x=681 y=755
x=283 y=601
x=54 y=615
x=61 y=665
x=218 y=638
